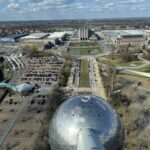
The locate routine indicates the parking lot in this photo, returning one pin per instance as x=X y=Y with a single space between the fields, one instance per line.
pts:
x=8 y=108
x=21 y=117
x=92 y=75
x=43 y=71
x=75 y=73
x=28 y=122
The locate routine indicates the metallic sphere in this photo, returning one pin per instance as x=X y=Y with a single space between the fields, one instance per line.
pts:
x=88 y=115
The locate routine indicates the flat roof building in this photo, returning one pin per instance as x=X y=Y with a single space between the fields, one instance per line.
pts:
x=75 y=36
x=124 y=37
x=6 y=40
x=59 y=35
x=35 y=36
x=11 y=38
x=16 y=36
x=132 y=39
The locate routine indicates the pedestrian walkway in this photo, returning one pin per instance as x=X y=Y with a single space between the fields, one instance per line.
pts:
x=100 y=86
x=144 y=74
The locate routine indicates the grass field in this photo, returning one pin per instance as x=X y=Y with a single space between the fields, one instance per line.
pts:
x=145 y=81
x=84 y=44
x=84 y=48
x=84 y=74
x=85 y=93
x=118 y=62
x=144 y=69
x=82 y=51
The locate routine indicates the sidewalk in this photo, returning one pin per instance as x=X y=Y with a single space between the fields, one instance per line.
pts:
x=100 y=86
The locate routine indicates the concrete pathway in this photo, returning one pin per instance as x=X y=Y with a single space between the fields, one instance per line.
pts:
x=100 y=86
x=139 y=73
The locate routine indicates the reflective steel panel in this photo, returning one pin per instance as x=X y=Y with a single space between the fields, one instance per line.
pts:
x=85 y=112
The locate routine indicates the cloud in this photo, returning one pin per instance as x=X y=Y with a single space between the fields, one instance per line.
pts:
x=73 y=8
x=134 y=8
x=108 y=5
x=101 y=6
x=56 y=2
x=13 y=6
x=132 y=1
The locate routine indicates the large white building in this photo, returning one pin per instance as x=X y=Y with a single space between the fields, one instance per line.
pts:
x=124 y=37
x=60 y=35
x=57 y=35
x=40 y=37
x=83 y=34
x=35 y=36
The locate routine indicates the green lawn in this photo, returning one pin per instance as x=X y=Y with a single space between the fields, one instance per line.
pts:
x=125 y=46
x=144 y=81
x=118 y=62
x=82 y=51
x=84 y=44
x=84 y=74
x=144 y=69
x=85 y=93
x=83 y=48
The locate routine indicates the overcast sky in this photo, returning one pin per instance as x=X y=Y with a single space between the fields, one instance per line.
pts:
x=72 y=9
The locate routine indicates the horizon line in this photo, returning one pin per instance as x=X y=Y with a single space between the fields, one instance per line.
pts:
x=81 y=19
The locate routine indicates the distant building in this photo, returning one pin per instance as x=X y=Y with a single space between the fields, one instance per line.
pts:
x=16 y=36
x=125 y=37
x=132 y=39
x=75 y=36
x=7 y=40
x=35 y=36
x=93 y=38
x=60 y=35
x=83 y=34
x=57 y=35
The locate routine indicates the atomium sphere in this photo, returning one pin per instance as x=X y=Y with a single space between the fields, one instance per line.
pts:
x=82 y=113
